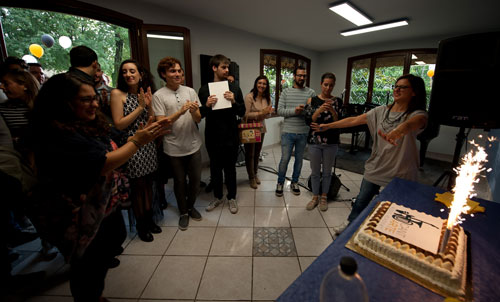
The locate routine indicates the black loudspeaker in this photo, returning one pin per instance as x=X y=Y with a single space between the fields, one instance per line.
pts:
x=464 y=88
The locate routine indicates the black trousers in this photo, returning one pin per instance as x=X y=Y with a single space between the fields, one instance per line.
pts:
x=223 y=159
x=88 y=273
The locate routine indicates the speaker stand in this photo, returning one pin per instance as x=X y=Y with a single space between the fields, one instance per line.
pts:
x=456 y=158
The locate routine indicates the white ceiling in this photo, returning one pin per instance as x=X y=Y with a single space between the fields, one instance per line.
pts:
x=311 y=25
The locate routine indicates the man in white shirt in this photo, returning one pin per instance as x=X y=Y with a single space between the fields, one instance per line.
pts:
x=180 y=104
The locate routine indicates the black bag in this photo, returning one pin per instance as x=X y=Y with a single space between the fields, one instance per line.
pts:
x=334 y=186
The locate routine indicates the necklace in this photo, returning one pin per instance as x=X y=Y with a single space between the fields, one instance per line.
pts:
x=389 y=123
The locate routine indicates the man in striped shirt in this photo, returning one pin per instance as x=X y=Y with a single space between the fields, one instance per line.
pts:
x=294 y=134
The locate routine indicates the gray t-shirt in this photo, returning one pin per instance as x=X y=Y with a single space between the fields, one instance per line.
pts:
x=185 y=138
x=388 y=161
x=289 y=99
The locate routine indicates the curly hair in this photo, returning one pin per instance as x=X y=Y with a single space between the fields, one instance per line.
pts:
x=54 y=108
x=144 y=83
x=165 y=64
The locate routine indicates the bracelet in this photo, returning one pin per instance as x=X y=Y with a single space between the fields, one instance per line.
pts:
x=136 y=143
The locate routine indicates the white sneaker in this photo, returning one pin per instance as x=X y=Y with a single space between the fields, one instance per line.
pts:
x=279 y=190
x=233 y=206
x=214 y=203
x=337 y=230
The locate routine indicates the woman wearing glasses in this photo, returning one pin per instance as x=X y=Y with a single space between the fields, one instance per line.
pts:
x=394 y=129
x=80 y=187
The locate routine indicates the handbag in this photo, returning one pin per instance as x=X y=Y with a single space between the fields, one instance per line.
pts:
x=250 y=133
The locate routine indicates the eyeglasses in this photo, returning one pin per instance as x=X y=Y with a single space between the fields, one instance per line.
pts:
x=89 y=99
x=402 y=87
x=301 y=76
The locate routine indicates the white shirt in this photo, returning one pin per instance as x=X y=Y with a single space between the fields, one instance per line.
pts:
x=185 y=138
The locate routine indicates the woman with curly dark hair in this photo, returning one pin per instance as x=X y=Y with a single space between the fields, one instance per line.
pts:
x=80 y=187
x=131 y=107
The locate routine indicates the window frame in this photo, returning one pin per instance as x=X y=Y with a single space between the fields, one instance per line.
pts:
x=86 y=10
x=188 y=71
x=373 y=59
x=279 y=53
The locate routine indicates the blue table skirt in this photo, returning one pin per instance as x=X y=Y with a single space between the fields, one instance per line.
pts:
x=386 y=285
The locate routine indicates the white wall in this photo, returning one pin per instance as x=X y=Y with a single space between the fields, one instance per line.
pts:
x=443 y=146
x=244 y=48
x=210 y=39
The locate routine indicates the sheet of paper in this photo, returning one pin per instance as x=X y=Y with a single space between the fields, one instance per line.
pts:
x=218 y=89
x=417 y=228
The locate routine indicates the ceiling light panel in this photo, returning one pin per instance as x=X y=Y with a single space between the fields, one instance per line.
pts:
x=374 y=28
x=350 y=13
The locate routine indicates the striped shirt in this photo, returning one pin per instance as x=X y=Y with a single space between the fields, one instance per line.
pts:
x=289 y=99
x=15 y=114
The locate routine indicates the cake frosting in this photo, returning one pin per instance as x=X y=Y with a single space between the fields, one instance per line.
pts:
x=383 y=234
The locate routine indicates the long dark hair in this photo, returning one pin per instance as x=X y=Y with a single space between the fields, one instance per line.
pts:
x=266 y=94
x=144 y=83
x=417 y=101
x=54 y=108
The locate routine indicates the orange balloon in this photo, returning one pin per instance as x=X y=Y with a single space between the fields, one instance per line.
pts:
x=36 y=50
x=430 y=73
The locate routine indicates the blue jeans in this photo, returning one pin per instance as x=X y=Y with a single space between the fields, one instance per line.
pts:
x=321 y=155
x=366 y=193
x=288 y=141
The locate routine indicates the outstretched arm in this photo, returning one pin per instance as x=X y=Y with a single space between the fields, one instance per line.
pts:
x=417 y=122
x=345 y=123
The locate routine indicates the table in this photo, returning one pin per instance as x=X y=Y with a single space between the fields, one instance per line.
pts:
x=386 y=285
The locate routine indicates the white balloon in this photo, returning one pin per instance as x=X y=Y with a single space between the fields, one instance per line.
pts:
x=29 y=59
x=65 y=42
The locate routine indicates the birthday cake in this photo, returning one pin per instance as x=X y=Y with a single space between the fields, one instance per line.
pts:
x=410 y=240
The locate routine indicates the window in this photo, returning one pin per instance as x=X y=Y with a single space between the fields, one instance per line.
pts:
x=71 y=9
x=370 y=77
x=24 y=27
x=278 y=66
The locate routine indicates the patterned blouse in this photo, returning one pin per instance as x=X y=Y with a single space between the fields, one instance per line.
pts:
x=327 y=137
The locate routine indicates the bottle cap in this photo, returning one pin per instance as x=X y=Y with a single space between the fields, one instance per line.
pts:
x=348 y=265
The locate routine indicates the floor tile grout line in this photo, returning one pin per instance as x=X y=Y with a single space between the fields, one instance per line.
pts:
x=208 y=254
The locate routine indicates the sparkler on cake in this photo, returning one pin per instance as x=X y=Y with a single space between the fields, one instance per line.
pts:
x=467 y=176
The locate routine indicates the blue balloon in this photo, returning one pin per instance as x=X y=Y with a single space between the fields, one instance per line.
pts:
x=47 y=40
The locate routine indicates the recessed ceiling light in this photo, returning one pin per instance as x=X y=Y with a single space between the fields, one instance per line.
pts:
x=165 y=37
x=413 y=57
x=349 y=12
x=420 y=62
x=375 y=27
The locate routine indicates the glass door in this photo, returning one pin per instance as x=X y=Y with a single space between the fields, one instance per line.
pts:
x=160 y=41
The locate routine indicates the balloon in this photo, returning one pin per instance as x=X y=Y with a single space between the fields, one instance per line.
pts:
x=47 y=40
x=65 y=42
x=430 y=73
x=29 y=59
x=36 y=50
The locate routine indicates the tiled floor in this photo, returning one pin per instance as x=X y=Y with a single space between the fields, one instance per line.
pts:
x=252 y=255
